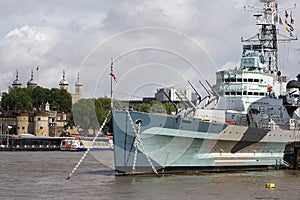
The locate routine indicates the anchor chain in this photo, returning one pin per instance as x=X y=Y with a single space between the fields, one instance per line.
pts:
x=138 y=141
x=88 y=150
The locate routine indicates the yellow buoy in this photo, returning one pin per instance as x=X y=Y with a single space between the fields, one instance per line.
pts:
x=270 y=185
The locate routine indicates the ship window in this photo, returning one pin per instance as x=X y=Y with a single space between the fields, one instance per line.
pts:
x=226 y=93
x=250 y=93
x=232 y=93
x=250 y=80
x=256 y=80
x=232 y=80
x=256 y=93
x=245 y=80
x=261 y=94
x=227 y=80
x=238 y=80
x=239 y=93
x=244 y=93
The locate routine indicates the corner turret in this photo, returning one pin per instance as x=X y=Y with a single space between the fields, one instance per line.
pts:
x=16 y=83
x=31 y=83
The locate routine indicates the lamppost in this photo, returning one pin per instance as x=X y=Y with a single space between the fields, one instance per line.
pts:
x=7 y=135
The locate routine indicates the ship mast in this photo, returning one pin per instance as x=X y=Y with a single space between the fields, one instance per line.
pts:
x=267 y=38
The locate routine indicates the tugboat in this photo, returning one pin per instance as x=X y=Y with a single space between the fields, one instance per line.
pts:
x=251 y=114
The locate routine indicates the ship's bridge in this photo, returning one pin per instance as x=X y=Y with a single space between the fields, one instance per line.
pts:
x=243 y=83
x=241 y=87
x=251 y=60
x=250 y=80
x=252 y=57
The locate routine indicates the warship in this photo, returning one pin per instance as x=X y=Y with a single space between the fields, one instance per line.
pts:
x=245 y=121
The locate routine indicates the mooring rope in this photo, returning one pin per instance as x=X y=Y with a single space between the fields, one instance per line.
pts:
x=139 y=142
x=88 y=150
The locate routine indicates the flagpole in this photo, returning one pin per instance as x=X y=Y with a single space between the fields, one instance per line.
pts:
x=37 y=74
x=111 y=82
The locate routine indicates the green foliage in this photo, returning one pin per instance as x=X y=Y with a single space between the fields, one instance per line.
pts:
x=155 y=107
x=84 y=114
x=19 y=99
x=168 y=106
x=90 y=113
x=103 y=106
x=27 y=99
x=60 y=100
x=144 y=107
x=39 y=96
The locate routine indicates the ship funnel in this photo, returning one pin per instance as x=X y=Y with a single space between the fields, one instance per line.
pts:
x=298 y=77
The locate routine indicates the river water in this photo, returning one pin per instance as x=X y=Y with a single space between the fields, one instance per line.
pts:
x=42 y=175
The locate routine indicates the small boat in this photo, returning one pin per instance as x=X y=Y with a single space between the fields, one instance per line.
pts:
x=72 y=144
x=83 y=143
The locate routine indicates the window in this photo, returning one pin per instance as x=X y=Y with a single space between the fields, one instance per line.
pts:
x=238 y=80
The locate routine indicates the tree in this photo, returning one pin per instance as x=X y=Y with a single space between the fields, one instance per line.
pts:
x=91 y=113
x=60 y=100
x=27 y=99
x=103 y=106
x=84 y=114
x=18 y=99
x=40 y=96
x=144 y=107
x=169 y=107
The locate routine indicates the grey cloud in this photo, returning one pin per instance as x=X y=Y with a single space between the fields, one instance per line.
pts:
x=77 y=28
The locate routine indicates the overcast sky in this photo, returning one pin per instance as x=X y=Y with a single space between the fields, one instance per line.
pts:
x=153 y=43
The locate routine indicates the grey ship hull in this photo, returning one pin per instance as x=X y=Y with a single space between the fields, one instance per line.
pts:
x=171 y=144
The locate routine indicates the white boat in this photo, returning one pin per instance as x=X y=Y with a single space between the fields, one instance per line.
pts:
x=72 y=144
x=84 y=143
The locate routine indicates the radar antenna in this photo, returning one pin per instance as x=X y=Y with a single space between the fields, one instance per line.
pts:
x=268 y=37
